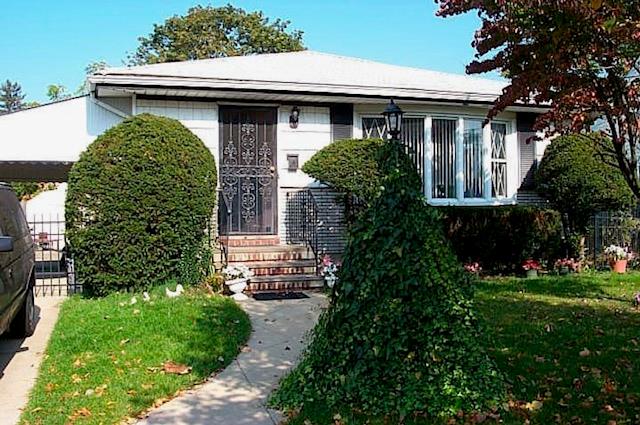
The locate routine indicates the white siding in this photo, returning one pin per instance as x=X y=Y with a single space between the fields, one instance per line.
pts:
x=199 y=117
x=313 y=133
x=56 y=132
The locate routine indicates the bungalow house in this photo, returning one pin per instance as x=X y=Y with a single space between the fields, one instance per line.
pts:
x=263 y=116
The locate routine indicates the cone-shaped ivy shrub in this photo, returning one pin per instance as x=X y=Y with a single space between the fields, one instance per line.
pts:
x=400 y=336
x=139 y=201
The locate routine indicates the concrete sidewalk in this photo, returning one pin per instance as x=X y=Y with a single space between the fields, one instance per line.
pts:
x=238 y=394
x=21 y=358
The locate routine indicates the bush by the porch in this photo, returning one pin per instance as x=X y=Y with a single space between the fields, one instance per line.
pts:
x=400 y=335
x=352 y=167
x=139 y=201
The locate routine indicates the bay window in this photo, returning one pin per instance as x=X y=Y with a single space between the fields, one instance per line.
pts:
x=460 y=160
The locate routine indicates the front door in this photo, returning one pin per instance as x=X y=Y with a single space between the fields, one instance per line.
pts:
x=248 y=177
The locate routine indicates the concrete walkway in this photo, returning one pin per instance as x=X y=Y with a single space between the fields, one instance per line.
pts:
x=20 y=360
x=238 y=394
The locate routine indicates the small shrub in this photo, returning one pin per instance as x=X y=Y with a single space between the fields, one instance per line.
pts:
x=400 y=336
x=574 y=176
x=138 y=203
x=500 y=239
x=349 y=166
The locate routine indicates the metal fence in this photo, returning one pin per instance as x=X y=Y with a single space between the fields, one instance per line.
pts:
x=612 y=228
x=55 y=274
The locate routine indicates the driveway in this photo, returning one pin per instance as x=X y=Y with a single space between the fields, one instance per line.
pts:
x=20 y=360
x=238 y=394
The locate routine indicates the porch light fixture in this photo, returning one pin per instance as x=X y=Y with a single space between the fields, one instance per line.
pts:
x=294 y=117
x=393 y=116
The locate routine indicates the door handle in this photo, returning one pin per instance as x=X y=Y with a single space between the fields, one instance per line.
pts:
x=272 y=169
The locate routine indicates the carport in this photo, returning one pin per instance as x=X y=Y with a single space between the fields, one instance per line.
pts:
x=39 y=171
x=41 y=144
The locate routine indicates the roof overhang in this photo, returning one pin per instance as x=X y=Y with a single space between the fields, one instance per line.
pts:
x=249 y=91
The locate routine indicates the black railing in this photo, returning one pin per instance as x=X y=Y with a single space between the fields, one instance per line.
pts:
x=612 y=228
x=223 y=239
x=302 y=221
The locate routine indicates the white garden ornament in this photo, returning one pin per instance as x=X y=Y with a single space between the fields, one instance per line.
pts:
x=236 y=278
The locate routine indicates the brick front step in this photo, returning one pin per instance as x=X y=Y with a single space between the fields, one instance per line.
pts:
x=287 y=267
x=250 y=241
x=285 y=283
x=269 y=253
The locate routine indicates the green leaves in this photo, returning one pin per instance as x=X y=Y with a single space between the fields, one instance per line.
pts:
x=212 y=32
x=400 y=336
x=579 y=176
x=134 y=219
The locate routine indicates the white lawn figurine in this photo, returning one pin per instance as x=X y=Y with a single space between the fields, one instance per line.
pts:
x=172 y=294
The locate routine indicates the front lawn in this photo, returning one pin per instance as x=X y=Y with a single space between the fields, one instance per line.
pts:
x=569 y=347
x=105 y=358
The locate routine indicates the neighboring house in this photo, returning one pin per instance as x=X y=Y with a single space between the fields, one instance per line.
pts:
x=244 y=109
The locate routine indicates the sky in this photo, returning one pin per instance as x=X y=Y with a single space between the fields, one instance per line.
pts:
x=46 y=42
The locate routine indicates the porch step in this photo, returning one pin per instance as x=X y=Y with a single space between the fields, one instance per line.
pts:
x=282 y=267
x=285 y=283
x=250 y=241
x=269 y=253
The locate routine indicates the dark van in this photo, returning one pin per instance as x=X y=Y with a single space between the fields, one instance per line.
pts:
x=17 y=268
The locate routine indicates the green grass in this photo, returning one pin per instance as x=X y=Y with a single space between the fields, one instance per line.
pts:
x=535 y=331
x=104 y=360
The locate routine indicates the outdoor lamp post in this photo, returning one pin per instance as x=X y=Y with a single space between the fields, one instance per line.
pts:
x=393 y=116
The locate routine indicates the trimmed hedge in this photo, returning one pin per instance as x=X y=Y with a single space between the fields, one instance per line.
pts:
x=574 y=177
x=400 y=336
x=349 y=166
x=138 y=203
x=501 y=238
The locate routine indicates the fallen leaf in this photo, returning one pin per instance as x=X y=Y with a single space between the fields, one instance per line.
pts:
x=585 y=353
x=176 y=368
x=534 y=405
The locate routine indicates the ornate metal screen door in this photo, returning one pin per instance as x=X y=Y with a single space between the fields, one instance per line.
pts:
x=248 y=177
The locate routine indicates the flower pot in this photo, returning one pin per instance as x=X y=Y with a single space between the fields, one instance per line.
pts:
x=330 y=281
x=619 y=266
x=532 y=273
x=237 y=286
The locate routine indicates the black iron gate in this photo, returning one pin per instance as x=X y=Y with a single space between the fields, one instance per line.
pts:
x=54 y=269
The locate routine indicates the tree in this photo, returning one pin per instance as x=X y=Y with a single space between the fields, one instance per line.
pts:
x=95 y=67
x=400 y=336
x=578 y=183
x=582 y=57
x=57 y=92
x=11 y=97
x=212 y=32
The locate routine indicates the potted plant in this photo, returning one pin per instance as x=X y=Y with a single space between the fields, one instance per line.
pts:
x=564 y=266
x=617 y=257
x=473 y=268
x=329 y=271
x=531 y=267
x=236 y=277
